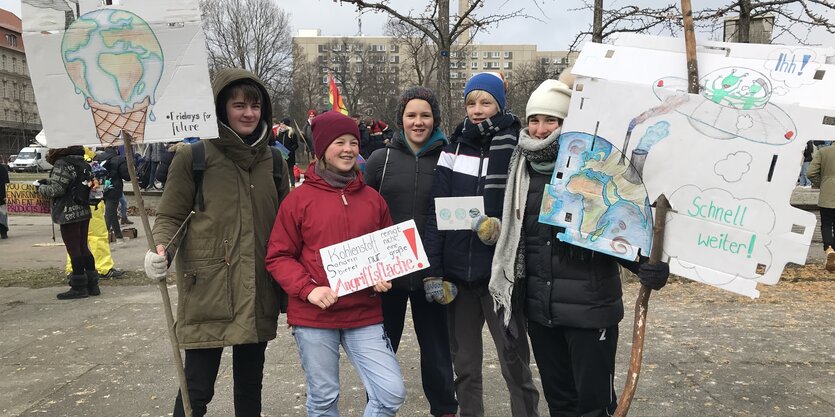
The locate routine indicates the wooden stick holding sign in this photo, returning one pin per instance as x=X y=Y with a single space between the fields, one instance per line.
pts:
x=383 y=255
x=162 y=285
x=662 y=205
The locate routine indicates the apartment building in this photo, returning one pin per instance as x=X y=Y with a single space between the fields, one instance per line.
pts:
x=465 y=60
x=19 y=120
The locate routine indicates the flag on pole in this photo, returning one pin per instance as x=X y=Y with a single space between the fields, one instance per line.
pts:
x=335 y=98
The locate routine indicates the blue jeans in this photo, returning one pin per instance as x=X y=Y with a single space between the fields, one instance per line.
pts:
x=804 y=180
x=123 y=206
x=370 y=352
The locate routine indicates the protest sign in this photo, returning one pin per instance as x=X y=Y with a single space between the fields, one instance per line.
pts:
x=378 y=256
x=727 y=158
x=97 y=70
x=25 y=198
x=457 y=213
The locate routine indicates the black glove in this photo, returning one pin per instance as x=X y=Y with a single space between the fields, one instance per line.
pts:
x=655 y=275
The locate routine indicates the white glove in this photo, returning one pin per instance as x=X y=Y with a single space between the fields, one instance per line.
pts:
x=156 y=266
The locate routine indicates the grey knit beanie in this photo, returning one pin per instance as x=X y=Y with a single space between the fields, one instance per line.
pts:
x=422 y=93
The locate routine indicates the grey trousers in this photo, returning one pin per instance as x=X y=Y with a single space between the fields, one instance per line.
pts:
x=467 y=314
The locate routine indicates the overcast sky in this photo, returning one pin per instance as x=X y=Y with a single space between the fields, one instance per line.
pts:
x=553 y=29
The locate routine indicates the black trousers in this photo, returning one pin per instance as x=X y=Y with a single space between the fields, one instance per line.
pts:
x=432 y=335
x=577 y=367
x=827 y=226
x=247 y=373
x=111 y=215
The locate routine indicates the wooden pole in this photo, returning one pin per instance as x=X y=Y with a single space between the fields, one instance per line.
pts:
x=662 y=205
x=162 y=285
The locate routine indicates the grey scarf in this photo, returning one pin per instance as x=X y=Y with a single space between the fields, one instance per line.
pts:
x=508 y=260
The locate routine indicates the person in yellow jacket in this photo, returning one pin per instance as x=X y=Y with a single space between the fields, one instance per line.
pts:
x=97 y=237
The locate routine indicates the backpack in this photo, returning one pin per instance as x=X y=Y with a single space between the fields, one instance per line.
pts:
x=79 y=188
x=143 y=173
x=198 y=167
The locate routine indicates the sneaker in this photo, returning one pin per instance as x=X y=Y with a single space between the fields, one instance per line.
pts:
x=830 y=259
x=114 y=273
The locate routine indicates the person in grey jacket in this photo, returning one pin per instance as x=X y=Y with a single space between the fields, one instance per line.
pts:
x=402 y=173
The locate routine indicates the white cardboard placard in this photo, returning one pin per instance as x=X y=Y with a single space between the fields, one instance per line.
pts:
x=457 y=213
x=139 y=66
x=727 y=159
x=383 y=255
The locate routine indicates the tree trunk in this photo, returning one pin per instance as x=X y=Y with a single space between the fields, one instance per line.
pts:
x=597 y=27
x=444 y=47
x=744 y=23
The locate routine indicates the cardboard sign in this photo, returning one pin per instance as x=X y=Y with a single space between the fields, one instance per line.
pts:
x=379 y=256
x=727 y=159
x=138 y=66
x=457 y=213
x=25 y=198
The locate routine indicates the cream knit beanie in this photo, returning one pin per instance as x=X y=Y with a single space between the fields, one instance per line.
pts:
x=551 y=98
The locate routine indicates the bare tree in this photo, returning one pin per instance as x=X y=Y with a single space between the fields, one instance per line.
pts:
x=421 y=55
x=442 y=28
x=632 y=19
x=250 y=34
x=526 y=77
x=308 y=87
x=793 y=18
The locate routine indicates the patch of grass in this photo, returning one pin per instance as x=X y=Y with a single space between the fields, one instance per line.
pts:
x=27 y=177
x=54 y=277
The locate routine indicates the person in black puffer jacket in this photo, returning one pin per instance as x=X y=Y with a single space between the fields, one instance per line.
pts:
x=570 y=296
x=402 y=174
x=117 y=172
x=475 y=164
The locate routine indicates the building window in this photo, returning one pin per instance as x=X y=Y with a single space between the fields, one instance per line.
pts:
x=494 y=54
x=394 y=59
x=485 y=54
x=393 y=48
x=508 y=55
x=4 y=63
x=325 y=79
x=14 y=90
x=453 y=55
x=6 y=114
x=14 y=64
x=474 y=54
x=474 y=65
x=453 y=65
x=453 y=75
x=508 y=65
x=11 y=40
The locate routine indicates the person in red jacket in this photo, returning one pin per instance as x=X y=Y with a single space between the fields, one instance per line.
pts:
x=333 y=205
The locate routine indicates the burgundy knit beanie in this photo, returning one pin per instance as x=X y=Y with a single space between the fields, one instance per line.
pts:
x=328 y=126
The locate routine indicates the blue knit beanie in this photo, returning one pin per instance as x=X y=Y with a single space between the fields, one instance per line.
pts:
x=489 y=82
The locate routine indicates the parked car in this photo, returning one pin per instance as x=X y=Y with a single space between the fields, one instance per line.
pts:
x=31 y=158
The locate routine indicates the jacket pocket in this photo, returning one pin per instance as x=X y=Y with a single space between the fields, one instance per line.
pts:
x=208 y=297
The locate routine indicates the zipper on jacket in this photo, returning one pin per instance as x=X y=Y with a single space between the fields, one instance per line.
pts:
x=226 y=248
x=342 y=194
x=470 y=251
x=414 y=194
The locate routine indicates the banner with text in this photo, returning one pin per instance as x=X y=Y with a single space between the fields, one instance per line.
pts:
x=25 y=198
x=379 y=256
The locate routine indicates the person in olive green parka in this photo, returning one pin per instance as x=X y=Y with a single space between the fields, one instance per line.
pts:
x=226 y=297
